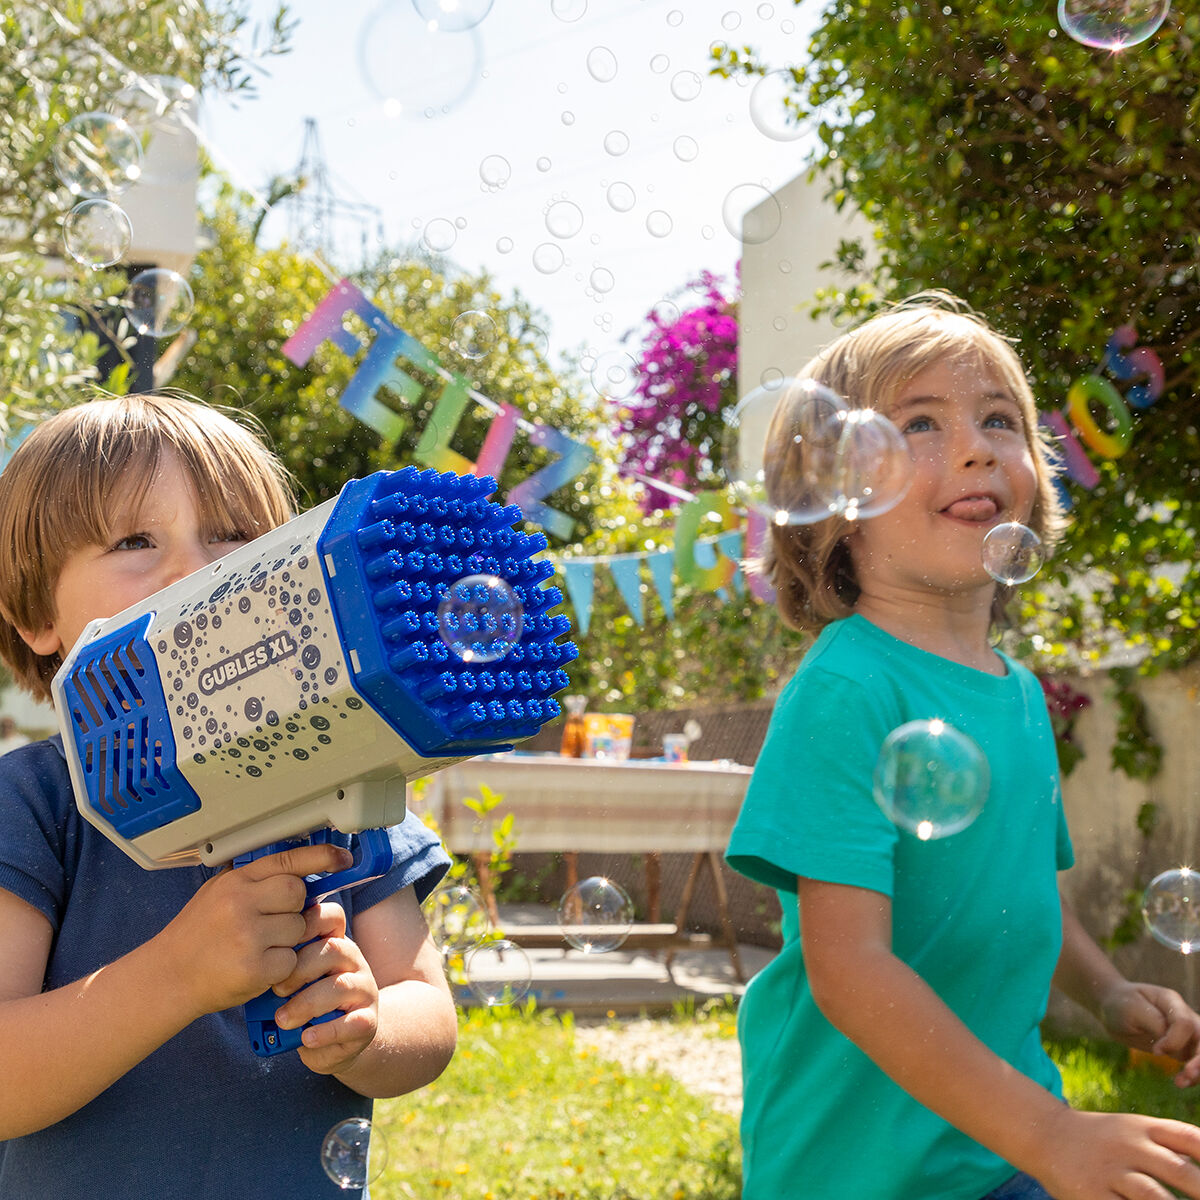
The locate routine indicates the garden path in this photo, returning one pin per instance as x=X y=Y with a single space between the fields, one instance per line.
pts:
x=704 y=1061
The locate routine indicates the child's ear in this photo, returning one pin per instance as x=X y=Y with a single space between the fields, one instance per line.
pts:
x=44 y=641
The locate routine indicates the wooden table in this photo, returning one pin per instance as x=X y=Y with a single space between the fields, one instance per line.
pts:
x=568 y=805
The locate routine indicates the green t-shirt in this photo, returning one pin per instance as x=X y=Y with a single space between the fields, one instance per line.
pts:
x=976 y=914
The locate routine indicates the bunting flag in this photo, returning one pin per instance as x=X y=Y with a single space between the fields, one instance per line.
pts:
x=579 y=576
x=625 y=572
x=662 y=571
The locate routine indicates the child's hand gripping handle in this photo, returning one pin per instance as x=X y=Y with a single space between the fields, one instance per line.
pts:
x=373 y=858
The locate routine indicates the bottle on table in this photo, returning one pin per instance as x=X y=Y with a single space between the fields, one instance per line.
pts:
x=573 y=728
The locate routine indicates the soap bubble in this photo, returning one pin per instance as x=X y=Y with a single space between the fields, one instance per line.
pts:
x=564 y=219
x=1171 y=908
x=452 y=16
x=499 y=973
x=616 y=142
x=769 y=107
x=439 y=235
x=602 y=280
x=568 y=10
x=1012 y=553
x=1112 y=24
x=873 y=469
x=659 y=223
x=621 y=197
x=495 y=171
x=456 y=918
x=98 y=155
x=930 y=779
x=602 y=64
x=686 y=85
x=596 y=915
x=159 y=302
x=480 y=618
x=353 y=1155
x=614 y=375
x=685 y=148
x=795 y=483
x=751 y=213
x=548 y=257
x=416 y=66
x=97 y=233
x=473 y=335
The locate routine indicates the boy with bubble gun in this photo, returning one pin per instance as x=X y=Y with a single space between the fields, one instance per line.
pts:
x=892 y=1050
x=128 y=1070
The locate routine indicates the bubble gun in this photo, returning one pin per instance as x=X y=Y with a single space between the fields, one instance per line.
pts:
x=289 y=691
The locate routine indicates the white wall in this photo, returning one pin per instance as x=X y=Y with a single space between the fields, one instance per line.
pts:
x=784 y=241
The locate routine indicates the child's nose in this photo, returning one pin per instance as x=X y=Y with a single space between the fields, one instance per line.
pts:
x=186 y=560
x=976 y=447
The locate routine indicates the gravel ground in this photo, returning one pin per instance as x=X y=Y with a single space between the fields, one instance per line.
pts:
x=708 y=1065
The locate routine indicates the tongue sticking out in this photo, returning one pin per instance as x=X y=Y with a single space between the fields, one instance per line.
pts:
x=972 y=508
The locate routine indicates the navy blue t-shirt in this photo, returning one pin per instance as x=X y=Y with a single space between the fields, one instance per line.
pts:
x=202 y=1115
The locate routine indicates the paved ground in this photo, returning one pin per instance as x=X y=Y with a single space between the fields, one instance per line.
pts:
x=624 y=981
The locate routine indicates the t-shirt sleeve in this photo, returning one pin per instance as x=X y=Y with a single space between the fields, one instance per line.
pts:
x=419 y=862
x=810 y=809
x=33 y=822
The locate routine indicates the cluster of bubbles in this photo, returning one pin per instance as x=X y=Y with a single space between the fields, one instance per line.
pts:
x=1171 y=909
x=796 y=453
x=1112 y=24
x=480 y=618
x=97 y=157
x=834 y=461
x=353 y=1155
x=930 y=779
x=595 y=915
x=497 y=971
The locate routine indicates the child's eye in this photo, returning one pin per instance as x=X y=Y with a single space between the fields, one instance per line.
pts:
x=918 y=425
x=228 y=535
x=1001 y=420
x=133 y=541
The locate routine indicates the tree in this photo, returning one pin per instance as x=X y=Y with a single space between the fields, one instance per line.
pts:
x=1057 y=188
x=59 y=63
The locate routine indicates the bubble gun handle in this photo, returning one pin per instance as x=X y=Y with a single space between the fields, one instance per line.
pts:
x=373 y=858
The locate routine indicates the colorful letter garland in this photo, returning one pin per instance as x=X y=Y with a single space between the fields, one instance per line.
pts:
x=708 y=564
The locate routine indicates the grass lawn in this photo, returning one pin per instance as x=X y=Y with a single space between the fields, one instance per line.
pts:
x=523 y=1113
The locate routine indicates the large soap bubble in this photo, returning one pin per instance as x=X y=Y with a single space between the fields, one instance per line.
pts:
x=453 y=16
x=930 y=780
x=779 y=450
x=456 y=918
x=480 y=618
x=416 y=66
x=1171 y=908
x=1112 y=24
x=1012 y=553
x=159 y=302
x=97 y=233
x=97 y=155
x=595 y=915
x=353 y=1155
x=874 y=469
x=499 y=973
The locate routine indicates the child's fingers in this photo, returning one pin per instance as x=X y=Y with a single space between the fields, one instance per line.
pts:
x=1189 y=1074
x=324 y=920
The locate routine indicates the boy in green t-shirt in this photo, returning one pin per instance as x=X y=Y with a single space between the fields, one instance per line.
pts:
x=892 y=1051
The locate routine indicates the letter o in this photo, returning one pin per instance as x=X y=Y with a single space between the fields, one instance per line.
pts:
x=1095 y=388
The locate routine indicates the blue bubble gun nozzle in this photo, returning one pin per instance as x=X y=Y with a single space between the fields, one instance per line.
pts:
x=290 y=691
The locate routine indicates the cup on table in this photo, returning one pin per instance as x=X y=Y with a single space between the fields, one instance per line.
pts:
x=675 y=747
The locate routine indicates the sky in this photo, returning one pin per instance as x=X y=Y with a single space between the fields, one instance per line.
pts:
x=577 y=150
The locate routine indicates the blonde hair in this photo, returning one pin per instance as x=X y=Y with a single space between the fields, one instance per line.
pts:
x=73 y=475
x=810 y=565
